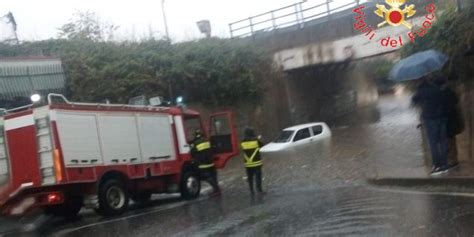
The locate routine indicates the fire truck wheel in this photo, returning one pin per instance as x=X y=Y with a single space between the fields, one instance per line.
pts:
x=190 y=185
x=69 y=209
x=113 y=198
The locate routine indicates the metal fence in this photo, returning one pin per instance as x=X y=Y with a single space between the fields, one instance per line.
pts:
x=24 y=80
x=297 y=14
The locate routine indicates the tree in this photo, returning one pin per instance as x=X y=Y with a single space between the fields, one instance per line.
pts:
x=212 y=71
x=87 y=26
x=218 y=71
x=453 y=34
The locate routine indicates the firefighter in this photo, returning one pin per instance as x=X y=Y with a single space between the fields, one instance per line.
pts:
x=252 y=160
x=202 y=153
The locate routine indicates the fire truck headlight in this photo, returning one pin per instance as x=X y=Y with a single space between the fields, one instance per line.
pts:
x=179 y=100
x=35 y=98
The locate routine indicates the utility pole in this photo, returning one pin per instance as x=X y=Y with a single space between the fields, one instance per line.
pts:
x=459 y=5
x=170 y=90
x=164 y=19
x=170 y=85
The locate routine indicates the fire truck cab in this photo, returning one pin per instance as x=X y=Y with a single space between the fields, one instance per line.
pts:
x=64 y=156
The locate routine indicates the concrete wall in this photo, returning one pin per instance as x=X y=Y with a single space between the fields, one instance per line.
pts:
x=465 y=88
x=268 y=116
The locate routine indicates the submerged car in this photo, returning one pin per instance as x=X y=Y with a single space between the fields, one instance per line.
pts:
x=299 y=136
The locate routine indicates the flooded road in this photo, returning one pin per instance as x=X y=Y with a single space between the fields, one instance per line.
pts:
x=301 y=211
x=317 y=191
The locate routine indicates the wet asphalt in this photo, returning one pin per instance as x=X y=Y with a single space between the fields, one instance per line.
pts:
x=319 y=190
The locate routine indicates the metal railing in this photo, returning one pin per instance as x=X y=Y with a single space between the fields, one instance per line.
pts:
x=293 y=15
x=64 y=100
x=102 y=105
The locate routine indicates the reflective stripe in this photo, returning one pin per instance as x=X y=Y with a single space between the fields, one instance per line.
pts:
x=249 y=145
x=250 y=159
x=19 y=122
x=206 y=166
x=255 y=164
x=203 y=146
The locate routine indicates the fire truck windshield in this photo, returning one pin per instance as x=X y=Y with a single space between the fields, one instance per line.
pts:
x=191 y=124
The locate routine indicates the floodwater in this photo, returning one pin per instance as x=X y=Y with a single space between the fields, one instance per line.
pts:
x=320 y=190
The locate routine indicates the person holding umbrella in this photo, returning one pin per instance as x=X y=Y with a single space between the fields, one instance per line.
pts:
x=455 y=122
x=432 y=100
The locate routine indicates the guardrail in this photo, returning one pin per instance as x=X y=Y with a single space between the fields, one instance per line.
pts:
x=296 y=14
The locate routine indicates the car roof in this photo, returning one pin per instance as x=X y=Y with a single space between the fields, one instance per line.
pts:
x=300 y=126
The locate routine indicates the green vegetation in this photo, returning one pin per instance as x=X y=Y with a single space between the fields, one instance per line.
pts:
x=213 y=71
x=453 y=34
x=216 y=71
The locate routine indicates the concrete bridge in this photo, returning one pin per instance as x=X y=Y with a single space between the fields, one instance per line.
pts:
x=326 y=51
x=322 y=33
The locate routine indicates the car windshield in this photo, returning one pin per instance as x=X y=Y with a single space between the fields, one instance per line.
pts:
x=284 y=136
x=192 y=124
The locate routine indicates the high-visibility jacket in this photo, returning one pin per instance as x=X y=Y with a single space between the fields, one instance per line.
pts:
x=251 y=153
x=201 y=151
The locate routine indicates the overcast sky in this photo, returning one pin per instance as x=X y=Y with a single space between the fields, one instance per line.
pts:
x=40 y=19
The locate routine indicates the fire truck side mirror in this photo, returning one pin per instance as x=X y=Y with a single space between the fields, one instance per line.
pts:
x=217 y=126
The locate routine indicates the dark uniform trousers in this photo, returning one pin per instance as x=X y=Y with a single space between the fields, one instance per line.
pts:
x=257 y=173
x=210 y=176
x=206 y=165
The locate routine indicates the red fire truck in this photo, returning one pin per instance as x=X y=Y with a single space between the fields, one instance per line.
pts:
x=64 y=156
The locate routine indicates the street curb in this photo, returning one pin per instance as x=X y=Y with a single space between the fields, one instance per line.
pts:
x=413 y=182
